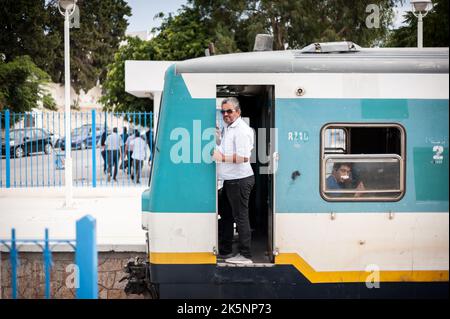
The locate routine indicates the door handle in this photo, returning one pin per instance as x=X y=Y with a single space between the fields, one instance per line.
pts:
x=275 y=159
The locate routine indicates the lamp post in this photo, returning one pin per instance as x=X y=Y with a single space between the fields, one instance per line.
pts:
x=67 y=8
x=420 y=9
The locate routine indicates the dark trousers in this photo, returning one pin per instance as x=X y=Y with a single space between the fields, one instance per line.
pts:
x=104 y=160
x=129 y=162
x=137 y=168
x=235 y=197
x=113 y=157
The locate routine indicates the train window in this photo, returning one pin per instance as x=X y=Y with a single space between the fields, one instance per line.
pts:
x=335 y=141
x=362 y=162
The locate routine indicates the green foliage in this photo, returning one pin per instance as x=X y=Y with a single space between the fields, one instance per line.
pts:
x=92 y=46
x=25 y=27
x=435 y=29
x=21 y=84
x=231 y=25
x=36 y=28
x=114 y=96
x=293 y=24
x=49 y=103
x=182 y=37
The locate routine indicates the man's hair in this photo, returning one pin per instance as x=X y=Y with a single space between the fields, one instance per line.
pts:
x=136 y=133
x=115 y=130
x=233 y=101
x=338 y=165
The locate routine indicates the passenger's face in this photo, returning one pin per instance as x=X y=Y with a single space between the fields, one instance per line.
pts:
x=343 y=174
x=229 y=113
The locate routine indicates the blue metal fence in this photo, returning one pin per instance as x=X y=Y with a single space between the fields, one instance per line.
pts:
x=33 y=145
x=86 y=259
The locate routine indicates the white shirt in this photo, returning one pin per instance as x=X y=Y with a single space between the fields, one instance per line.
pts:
x=113 y=142
x=128 y=143
x=139 y=147
x=238 y=139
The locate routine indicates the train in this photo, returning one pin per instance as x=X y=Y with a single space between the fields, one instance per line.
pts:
x=384 y=111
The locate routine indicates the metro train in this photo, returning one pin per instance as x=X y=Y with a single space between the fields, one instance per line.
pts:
x=382 y=110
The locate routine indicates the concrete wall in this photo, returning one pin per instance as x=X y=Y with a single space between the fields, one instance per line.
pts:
x=117 y=211
x=30 y=210
x=87 y=100
x=31 y=277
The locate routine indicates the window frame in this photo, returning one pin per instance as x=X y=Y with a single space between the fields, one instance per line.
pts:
x=324 y=157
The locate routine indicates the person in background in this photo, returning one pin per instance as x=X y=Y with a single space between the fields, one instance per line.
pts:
x=149 y=139
x=341 y=178
x=102 y=144
x=139 y=146
x=129 y=151
x=113 y=144
x=124 y=137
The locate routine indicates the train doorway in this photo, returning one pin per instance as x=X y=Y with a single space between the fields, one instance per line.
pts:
x=257 y=105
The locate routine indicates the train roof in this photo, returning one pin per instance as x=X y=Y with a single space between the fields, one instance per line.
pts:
x=308 y=60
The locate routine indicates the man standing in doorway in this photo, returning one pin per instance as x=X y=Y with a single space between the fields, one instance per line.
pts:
x=233 y=159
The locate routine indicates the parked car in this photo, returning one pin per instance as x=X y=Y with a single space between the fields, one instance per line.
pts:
x=81 y=137
x=26 y=141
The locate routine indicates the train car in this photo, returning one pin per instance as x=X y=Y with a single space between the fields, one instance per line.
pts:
x=382 y=111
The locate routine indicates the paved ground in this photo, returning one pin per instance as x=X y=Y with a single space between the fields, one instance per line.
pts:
x=117 y=211
x=42 y=170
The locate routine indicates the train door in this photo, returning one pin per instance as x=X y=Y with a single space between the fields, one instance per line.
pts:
x=257 y=105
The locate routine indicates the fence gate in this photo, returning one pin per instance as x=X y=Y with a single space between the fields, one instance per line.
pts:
x=86 y=259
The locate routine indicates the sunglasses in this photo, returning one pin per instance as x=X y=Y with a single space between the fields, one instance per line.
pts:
x=227 y=111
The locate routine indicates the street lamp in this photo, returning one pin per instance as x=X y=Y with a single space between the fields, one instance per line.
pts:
x=67 y=8
x=420 y=9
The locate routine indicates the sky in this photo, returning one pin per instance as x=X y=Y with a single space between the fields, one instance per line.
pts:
x=143 y=12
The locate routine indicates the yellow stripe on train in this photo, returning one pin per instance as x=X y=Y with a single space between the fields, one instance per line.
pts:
x=359 y=276
x=182 y=258
x=310 y=273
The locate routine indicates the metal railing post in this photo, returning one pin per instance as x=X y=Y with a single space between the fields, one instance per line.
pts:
x=94 y=151
x=86 y=258
x=47 y=264
x=13 y=257
x=7 y=151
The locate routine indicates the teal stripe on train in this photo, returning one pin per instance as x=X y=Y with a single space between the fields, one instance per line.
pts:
x=425 y=122
x=182 y=187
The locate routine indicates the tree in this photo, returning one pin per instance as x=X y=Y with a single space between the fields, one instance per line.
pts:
x=102 y=28
x=114 y=97
x=295 y=24
x=181 y=37
x=232 y=26
x=26 y=29
x=435 y=29
x=21 y=84
x=36 y=28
